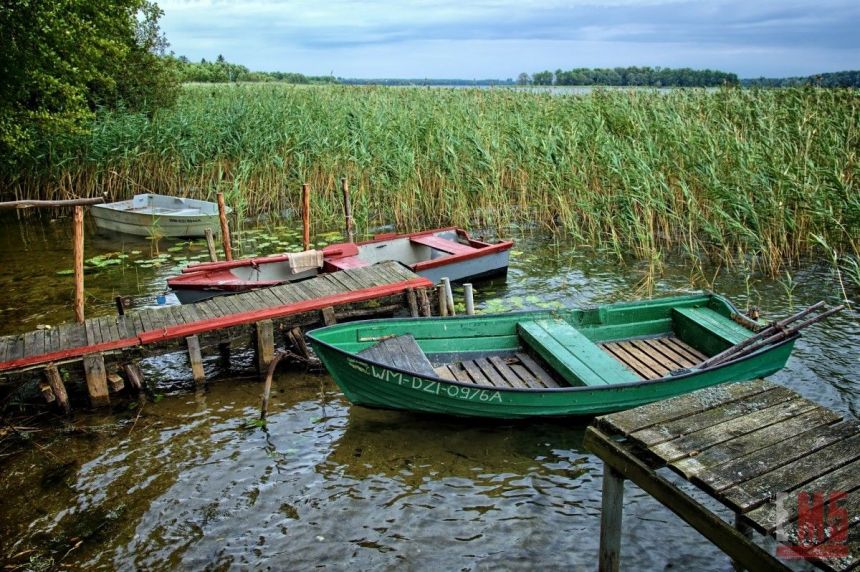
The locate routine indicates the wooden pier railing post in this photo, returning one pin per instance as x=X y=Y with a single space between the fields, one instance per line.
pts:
x=347 y=210
x=79 y=263
x=196 y=359
x=265 y=345
x=225 y=228
x=210 y=244
x=610 y=520
x=306 y=216
x=94 y=370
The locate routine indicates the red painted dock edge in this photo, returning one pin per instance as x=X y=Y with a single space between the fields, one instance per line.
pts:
x=238 y=319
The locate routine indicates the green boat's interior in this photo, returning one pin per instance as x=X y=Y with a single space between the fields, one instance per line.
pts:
x=609 y=344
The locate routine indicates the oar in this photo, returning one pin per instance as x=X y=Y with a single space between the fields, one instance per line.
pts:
x=768 y=331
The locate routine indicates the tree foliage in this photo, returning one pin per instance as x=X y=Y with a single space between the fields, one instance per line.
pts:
x=222 y=71
x=636 y=76
x=61 y=60
x=835 y=79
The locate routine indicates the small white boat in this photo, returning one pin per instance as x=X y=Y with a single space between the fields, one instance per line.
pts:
x=161 y=215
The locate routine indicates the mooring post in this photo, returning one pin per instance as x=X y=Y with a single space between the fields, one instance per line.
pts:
x=306 y=216
x=94 y=371
x=443 y=300
x=413 y=302
x=225 y=228
x=449 y=295
x=265 y=345
x=470 y=299
x=610 y=520
x=328 y=316
x=347 y=210
x=424 y=299
x=79 y=263
x=267 y=388
x=55 y=380
x=196 y=359
x=210 y=244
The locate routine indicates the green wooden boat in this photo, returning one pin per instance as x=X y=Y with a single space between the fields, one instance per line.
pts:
x=545 y=363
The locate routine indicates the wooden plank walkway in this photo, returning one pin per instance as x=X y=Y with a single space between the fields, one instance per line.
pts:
x=786 y=467
x=153 y=325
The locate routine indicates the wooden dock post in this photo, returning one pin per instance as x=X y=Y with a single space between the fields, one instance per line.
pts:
x=265 y=345
x=225 y=228
x=424 y=299
x=449 y=295
x=79 y=263
x=267 y=388
x=196 y=359
x=328 y=316
x=55 y=380
x=469 y=295
x=443 y=300
x=347 y=210
x=210 y=244
x=610 y=520
x=94 y=370
x=306 y=216
x=413 y=302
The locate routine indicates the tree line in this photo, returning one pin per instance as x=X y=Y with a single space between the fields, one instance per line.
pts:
x=222 y=71
x=835 y=79
x=631 y=76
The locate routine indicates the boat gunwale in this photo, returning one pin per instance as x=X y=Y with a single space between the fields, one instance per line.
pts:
x=665 y=379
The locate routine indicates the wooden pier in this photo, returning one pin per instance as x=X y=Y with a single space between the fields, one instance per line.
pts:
x=108 y=344
x=786 y=467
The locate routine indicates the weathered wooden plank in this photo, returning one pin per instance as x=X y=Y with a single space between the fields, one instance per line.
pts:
x=94 y=369
x=774 y=456
x=189 y=313
x=445 y=373
x=401 y=352
x=343 y=282
x=612 y=497
x=628 y=360
x=286 y=295
x=644 y=363
x=55 y=380
x=78 y=335
x=849 y=505
x=749 y=494
x=766 y=436
x=475 y=373
x=328 y=316
x=459 y=373
x=526 y=376
x=673 y=429
x=302 y=292
x=5 y=343
x=265 y=345
x=536 y=370
x=64 y=331
x=113 y=328
x=360 y=280
x=783 y=510
x=506 y=372
x=490 y=372
x=34 y=343
x=684 y=348
x=692 y=443
x=676 y=357
x=655 y=360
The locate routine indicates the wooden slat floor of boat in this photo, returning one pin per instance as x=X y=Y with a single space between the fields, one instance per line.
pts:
x=519 y=371
x=107 y=333
x=653 y=358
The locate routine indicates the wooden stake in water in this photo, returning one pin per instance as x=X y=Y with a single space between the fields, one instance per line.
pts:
x=443 y=300
x=210 y=244
x=470 y=299
x=79 y=263
x=449 y=295
x=347 y=210
x=306 y=216
x=267 y=388
x=225 y=229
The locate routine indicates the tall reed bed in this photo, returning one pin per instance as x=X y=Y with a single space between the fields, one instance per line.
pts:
x=729 y=173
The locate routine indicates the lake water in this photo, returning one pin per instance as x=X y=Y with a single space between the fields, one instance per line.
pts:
x=187 y=480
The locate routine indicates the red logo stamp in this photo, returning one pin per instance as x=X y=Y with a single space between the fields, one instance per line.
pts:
x=821 y=529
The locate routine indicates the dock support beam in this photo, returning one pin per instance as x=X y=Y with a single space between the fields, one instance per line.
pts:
x=265 y=345
x=610 y=520
x=328 y=316
x=196 y=359
x=55 y=380
x=94 y=370
x=413 y=302
x=210 y=244
x=425 y=302
x=133 y=375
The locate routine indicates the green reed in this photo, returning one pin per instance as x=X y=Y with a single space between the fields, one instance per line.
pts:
x=729 y=173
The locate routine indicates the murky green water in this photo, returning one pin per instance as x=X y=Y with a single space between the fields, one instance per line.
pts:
x=190 y=482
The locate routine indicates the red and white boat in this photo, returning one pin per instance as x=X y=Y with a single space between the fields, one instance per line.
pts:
x=432 y=254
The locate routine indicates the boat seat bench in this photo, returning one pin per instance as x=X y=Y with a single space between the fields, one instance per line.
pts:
x=571 y=354
x=443 y=244
x=713 y=322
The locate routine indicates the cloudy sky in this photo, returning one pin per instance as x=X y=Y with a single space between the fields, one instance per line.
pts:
x=501 y=38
